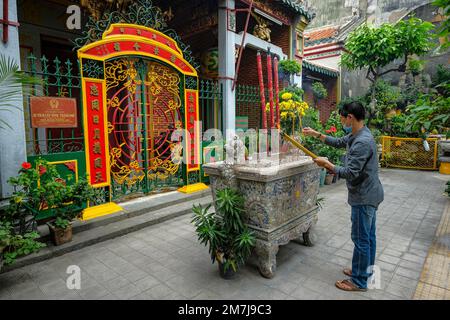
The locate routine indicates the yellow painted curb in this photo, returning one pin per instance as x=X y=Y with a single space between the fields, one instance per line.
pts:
x=192 y=188
x=100 y=211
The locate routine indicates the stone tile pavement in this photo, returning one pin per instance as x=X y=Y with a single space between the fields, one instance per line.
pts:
x=165 y=261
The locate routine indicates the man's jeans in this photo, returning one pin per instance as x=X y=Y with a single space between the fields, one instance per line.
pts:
x=363 y=236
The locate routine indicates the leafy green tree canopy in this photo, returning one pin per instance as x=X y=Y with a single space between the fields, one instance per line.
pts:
x=375 y=47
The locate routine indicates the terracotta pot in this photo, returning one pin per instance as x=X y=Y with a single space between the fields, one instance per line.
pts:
x=329 y=179
x=60 y=236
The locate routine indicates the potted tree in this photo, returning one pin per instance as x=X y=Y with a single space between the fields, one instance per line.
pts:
x=228 y=237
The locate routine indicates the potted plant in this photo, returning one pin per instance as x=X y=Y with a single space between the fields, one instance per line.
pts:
x=67 y=202
x=42 y=188
x=289 y=68
x=329 y=178
x=14 y=245
x=319 y=92
x=228 y=237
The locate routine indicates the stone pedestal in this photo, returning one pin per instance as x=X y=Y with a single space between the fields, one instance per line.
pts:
x=280 y=201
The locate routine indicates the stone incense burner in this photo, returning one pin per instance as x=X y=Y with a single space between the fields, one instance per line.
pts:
x=280 y=200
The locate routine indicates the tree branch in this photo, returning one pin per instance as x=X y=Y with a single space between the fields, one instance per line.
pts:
x=400 y=68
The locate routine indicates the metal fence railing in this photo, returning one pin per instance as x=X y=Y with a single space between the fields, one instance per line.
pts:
x=409 y=153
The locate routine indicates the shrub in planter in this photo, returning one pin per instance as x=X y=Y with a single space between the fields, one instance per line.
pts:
x=228 y=237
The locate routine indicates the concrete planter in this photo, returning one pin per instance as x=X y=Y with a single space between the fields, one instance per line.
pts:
x=280 y=202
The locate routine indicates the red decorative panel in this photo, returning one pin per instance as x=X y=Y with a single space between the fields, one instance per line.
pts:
x=95 y=133
x=193 y=150
x=140 y=47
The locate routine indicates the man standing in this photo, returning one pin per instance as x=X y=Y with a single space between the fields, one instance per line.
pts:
x=365 y=191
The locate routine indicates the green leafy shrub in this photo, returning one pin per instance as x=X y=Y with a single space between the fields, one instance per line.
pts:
x=42 y=188
x=441 y=80
x=319 y=91
x=290 y=67
x=297 y=93
x=13 y=246
x=228 y=237
x=416 y=66
x=430 y=113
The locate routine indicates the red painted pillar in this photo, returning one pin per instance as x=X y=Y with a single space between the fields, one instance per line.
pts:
x=270 y=84
x=261 y=89
x=277 y=92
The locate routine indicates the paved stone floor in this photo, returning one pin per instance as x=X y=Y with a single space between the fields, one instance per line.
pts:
x=165 y=261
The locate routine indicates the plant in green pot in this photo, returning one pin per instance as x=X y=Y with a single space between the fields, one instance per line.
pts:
x=229 y=239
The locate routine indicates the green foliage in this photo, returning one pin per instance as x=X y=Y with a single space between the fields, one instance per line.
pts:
x=397 y=126
x=13 y=84
x=373 y=48
x=443 y=31
x=387 y=97
x=334 y=121
x=13 y=245
x=377 y=133
x=311 y=120
x=441 y=82
x=290 y=67
x=41 y=188
x=297 y=93
x=319 y=91
x=228 y=237
x=430 y=113
x=333 y=154
x=416 y=66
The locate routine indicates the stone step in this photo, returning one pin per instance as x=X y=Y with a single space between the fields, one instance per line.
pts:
x=132 y=208
x=134 y=217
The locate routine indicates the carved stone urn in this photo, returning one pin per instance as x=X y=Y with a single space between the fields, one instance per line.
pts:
x=280 y=201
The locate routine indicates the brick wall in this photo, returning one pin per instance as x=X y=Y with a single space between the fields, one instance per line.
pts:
x=327 y=105
x=248 y=74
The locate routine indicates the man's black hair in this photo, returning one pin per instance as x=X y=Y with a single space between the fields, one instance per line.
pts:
x=355 y=108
